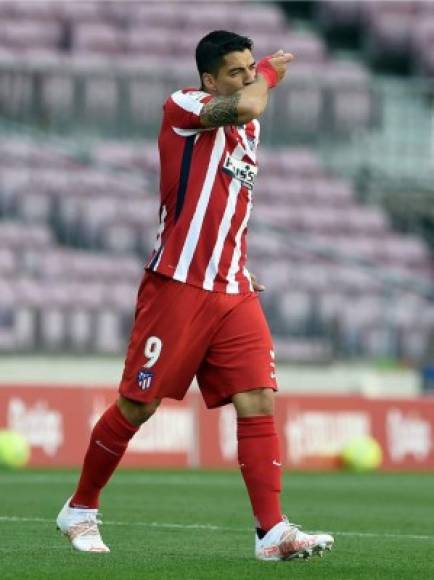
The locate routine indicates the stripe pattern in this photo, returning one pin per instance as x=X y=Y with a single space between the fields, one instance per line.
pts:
x=201 y=239
x=185 y=172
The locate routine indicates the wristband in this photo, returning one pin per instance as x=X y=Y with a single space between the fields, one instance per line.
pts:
x=267 y=70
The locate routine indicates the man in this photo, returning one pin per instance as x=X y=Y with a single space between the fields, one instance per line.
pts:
x=198 y=312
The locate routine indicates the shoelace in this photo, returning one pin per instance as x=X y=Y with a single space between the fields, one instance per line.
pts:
x=291 y=524
x=290 y=540
x=86 y=527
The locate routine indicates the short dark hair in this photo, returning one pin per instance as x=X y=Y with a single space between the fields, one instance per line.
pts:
x=214 y=46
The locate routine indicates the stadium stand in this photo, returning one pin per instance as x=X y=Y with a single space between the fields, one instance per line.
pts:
x=140 y=37
x=77 y=221
x=74 y=241
x=392 y=30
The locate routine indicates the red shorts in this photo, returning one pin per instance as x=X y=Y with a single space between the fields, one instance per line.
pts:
x=181 y=331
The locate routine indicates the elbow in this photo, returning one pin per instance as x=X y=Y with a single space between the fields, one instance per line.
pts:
x=250 y=109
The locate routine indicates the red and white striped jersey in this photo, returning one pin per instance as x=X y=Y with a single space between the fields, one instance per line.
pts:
x=207 y=176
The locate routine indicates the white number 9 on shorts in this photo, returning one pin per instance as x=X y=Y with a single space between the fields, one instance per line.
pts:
x=152 y=351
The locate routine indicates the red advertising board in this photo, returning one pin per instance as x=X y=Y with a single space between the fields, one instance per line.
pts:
x=57 y=422
x=314 y=430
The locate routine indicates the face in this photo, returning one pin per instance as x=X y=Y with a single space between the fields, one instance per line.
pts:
x=238 y=70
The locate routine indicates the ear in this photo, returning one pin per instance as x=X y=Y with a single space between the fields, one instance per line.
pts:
x=208 y=83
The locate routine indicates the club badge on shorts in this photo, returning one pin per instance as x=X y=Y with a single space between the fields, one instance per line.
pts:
x=144 y=379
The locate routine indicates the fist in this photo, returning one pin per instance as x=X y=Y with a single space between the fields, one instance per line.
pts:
x=279 y=61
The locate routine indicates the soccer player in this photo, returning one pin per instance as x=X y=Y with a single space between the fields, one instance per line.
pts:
x=198 y=311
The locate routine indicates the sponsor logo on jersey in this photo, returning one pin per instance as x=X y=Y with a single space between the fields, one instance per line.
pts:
x=244 y=172
x=144 y=379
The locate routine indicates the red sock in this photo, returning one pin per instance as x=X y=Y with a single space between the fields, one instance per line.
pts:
x=259 y=459
x=108 y=443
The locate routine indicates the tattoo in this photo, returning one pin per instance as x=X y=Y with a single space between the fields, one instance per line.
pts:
x=221 y=111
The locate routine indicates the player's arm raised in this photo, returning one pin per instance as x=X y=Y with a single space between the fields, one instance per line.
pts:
x=249 y=102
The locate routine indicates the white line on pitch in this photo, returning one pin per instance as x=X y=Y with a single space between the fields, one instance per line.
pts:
x=384 y=535
x=212 y=527
x=139 y=479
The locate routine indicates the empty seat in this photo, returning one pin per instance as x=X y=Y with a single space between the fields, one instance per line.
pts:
x=108 y=335
x=81 y=322
x=295 y=308
x=328 y=262
x=263 y=18
x=25 y=328
x=8 y=262
x=350 y=103
x=155 y=15
x=15 y=236
x=104 y=38
x=20 y=33
x=302 y=103
x=154 y=41
x=335 y=14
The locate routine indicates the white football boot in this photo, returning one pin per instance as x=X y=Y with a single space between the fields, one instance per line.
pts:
x=80 y=526
x=286 y=541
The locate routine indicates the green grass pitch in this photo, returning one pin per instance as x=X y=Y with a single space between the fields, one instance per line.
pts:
x=193 y=525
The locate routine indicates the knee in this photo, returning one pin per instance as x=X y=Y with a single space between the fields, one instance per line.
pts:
x=137 y=413
x=264 y=403
x=256 y=402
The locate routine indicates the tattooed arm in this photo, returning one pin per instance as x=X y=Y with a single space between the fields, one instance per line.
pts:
x=249 y=102
x=246 y=104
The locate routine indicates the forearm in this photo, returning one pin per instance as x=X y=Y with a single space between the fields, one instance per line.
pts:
x=246 y=104
x=250 y=101
x=253 y=100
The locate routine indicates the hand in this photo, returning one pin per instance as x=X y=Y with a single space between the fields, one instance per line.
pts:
x=279 y=61
x=256 y=286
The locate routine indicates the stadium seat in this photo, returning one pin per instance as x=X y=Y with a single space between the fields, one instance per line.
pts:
x=99 y=38
x=108 y=332
x=80 y=329
x=390 y=30
x=336 y=255
x=335 y=15
x=102 y=38
x=22 y=33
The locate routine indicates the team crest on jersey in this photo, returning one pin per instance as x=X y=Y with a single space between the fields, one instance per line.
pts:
x=144 y=378
x=251 y=141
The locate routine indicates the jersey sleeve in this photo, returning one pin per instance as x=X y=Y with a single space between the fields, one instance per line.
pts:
x=182 y=110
